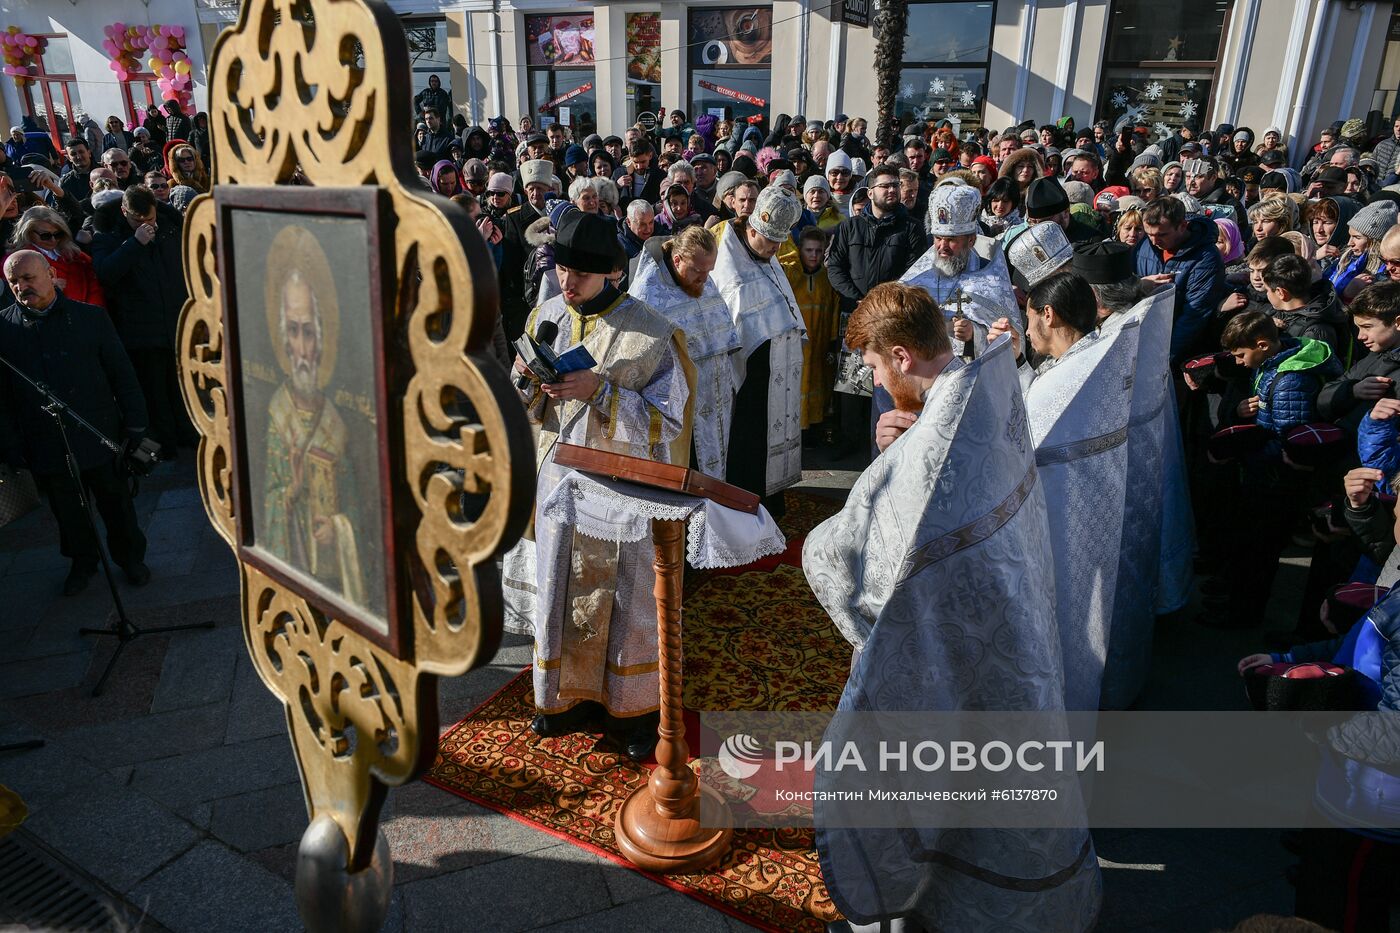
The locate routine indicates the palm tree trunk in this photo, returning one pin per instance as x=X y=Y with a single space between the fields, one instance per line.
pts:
x=891 y=21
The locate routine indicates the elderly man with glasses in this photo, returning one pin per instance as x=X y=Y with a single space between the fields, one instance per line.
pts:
x=120 y=163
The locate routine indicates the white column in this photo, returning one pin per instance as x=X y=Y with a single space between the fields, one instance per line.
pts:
x=1322 y=23
x=1068 y=29
x=1358 y=53
x=1249 y=22
x=497 y=106
x=1023 y=71
x=833 y=73
x=1290 y=63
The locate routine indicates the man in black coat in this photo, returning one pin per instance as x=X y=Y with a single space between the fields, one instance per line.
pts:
x=537 y=175
x=877 y=245
x=638 y=176
x=138 y=261
x=73 y=349
x=79 y=168
x=440 y=136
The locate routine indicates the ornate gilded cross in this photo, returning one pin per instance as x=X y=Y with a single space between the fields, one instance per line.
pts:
x=361 y=451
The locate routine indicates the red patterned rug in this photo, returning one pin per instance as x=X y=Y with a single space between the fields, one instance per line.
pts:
x=755 y=639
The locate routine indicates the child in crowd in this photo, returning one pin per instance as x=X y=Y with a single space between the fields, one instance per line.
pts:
x=1278 y=392
x=1305 y=309
x=1376 y=316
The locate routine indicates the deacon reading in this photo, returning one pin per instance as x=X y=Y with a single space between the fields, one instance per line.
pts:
x=310 y=502
x=589 y=603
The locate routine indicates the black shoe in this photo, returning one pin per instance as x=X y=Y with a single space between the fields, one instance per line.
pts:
x=636 y=734
x=581 y=717
x=77 y=580
x=137 y=573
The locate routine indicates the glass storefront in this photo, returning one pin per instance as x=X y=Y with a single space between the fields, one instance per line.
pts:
x=947 y=50
x=731 y=51
x=559 y=53
x=1160 y=62
x=1386 y=98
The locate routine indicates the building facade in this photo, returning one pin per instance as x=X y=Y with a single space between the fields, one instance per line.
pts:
x=1294 y=64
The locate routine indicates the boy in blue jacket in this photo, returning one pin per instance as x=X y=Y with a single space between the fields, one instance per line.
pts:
x=1284 y=379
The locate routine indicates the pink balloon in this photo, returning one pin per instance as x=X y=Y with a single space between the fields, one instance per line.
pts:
x=179 y=32
x=165 y=55
x=31 y=41
x=158 y=42
x=123 y=75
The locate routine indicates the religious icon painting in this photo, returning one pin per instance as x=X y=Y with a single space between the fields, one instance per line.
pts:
x=312 y=399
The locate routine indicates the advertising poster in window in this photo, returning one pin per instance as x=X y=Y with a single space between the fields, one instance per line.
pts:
x=559 y=41
x=644 y=47
x=731 y=36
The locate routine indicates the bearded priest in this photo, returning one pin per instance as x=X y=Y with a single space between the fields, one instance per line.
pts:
x=588 y=603
x=765 y=442
x=673 y=279
x=937 y=582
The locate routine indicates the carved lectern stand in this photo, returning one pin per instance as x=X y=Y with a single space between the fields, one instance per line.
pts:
x=672 y=824
x=360 y=451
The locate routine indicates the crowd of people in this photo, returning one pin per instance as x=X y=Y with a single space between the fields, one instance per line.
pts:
x=750 y=290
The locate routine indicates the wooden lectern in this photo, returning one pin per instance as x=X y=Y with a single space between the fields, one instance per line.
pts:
x=671 y=824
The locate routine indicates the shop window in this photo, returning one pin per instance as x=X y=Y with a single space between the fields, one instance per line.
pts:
x=53 y=99
x=1160 y=62
x=559 y=54
x=947 y=51
x=427 y=54
x=730 y=57
x=1387 y=96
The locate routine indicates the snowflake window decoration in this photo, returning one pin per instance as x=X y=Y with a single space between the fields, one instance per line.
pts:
x=936 y=86
x=1191 y=85
x=1135 y=114
x=906 y=91
x=1153 y=90
x=1187 y=109
x=967 y=98
x=1162 y=130
x=1120 y=100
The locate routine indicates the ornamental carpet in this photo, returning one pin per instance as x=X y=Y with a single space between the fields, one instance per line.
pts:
x=755 y=639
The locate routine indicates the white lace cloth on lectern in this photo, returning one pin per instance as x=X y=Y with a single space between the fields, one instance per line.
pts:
x=612 y=510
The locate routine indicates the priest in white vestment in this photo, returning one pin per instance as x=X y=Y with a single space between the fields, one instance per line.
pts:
x=673 y=279
x=945 y=589
x=588 y=603
x=1078 y=401
x=963 y=272
x=1144 y=557
x=765 y=438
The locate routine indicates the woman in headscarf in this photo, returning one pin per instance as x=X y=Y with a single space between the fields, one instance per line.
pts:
x=673 y=211
x=1023 y=167
x=1241 y=153
x=1173 y=178
x=1230 y=244
x=724 y=161
x=445 y=179
x=185 y=167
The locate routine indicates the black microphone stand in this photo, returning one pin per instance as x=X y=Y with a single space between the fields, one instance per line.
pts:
x=123 y=629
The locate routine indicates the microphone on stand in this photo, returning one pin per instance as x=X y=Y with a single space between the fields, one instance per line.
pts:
x=544 y=336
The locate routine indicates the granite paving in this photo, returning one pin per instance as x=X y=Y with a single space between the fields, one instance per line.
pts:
x=178 y=791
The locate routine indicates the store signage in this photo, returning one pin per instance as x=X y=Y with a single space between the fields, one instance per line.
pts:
x=856 y=13
x=730 y=92
x=647 y=120
x=566 y=96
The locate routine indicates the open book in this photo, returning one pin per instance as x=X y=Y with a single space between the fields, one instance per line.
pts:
x=549 y=366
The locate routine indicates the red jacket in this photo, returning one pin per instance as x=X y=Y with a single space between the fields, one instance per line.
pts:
x=78 y=279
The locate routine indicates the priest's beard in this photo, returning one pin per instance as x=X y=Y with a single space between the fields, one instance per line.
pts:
x=903 y=392
x=953 y=266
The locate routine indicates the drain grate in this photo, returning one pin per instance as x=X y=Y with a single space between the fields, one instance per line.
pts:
x=39 y=889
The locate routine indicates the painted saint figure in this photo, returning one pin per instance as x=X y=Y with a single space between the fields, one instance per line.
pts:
x=310 y=499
